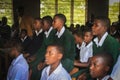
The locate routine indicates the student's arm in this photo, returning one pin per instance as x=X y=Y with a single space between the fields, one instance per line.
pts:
x=81 y=64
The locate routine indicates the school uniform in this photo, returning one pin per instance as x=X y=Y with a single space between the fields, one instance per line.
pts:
x=48 y=39
x=26 y=41
x=107 y=77
x=36 y=42
x=86 y=51
x=106 y=44
x=66 y=39
x=115 y=75
x=58 y=74
x=19 y=69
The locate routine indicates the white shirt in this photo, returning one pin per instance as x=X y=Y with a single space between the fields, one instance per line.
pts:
x=19 y=69
x=48 y=32
x=105 y=78
x=58 y=74
x=38 y=32
x=23 y=39
x=100 y=43
x=86 y=51
x=59 y=34
x=115 y=75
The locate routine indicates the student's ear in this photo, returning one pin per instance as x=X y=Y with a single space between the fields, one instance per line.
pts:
x=60 y=56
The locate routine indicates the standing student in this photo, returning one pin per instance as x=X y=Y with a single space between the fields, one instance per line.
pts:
x=19 y=69
x=100 y=66
x=66 y=39
x=54 y=70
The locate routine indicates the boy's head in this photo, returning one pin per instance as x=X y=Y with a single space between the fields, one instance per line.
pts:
x=59 y=20
x=23 y=33
x=100 y=65
x=100 y=25
x=47 y=22
x=88 y=36
x=54 y=54
x=14 y=48
x=78 y=35
x=37 y=23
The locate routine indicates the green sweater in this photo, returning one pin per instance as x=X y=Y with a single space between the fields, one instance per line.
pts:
x=110 y=45
x=68 y=43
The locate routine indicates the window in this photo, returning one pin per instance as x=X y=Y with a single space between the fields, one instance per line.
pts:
x=114 y=10
x=77 y=7
x=6 y=10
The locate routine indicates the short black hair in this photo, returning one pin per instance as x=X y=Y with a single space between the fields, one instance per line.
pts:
x=107 y=57
x=14 y=44
x=58 y=47
x=38 y=18
x=79 y=33
x=105 y=20
x=48 y=19
x=61 y=16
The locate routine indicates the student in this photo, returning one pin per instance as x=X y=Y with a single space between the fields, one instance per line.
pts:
x=24 y=39
x=37 y=37
x=66 y=39
x=54 y=70
x=100 y=66
x=48 y=38
x=103 y=41
x=86 y=50
x=19 y=69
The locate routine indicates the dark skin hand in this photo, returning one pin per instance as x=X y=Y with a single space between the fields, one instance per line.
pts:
x=82 y=77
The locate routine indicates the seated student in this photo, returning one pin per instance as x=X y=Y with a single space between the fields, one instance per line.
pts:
x=19 y=69
x=64 y=37
x=100 y=66
x=24 y=39
x=37 y=37
x=86 y=50
x=54 y=70
x=78 y=35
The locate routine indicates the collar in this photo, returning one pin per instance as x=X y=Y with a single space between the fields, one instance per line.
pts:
x=23 y=39
x=100 y=43
x=78 y=46
x=91 y=43
x=105 y=78
x=17 y=59
x=48 y=32
x=59 y=34
x=38 y=32
x=56 y=71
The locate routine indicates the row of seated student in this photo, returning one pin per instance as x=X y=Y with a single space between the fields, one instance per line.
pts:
x=40 y=52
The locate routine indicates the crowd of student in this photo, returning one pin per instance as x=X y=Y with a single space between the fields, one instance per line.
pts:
x=55 y=52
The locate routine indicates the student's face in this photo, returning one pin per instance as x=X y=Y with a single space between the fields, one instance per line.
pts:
x=56 y=22
x=78 y=39
x=88 y=37
x=98 y=28
x=37 y=25
x=52 y=56
x=46 y=25
x=98 y=68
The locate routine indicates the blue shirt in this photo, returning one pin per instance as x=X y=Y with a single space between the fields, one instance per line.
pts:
x=19 y=69
x=58 y=74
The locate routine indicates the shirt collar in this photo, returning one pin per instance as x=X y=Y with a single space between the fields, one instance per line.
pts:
x=17 y=59
x=105 y=78
x=89 y=44
x=56 y=70
x=38 y=32
x=100 y=43
x=23 y=39
x=59 y=34
x=48 y=32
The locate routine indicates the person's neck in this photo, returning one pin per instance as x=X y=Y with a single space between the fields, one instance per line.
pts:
x=59 y=28
x=53 y=67
x=100 y=78
x=100 y=36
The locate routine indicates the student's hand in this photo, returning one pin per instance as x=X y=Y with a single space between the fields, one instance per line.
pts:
x=30 y=59
x=41 y=65
x=76 y=62
x=82 y=77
